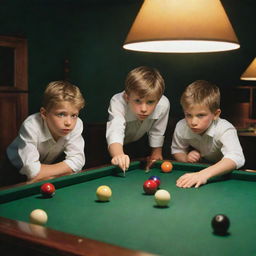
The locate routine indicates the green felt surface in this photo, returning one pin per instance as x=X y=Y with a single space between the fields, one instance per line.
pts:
x=131 y=218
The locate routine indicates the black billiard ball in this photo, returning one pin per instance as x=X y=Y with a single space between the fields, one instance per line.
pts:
x=220 y=224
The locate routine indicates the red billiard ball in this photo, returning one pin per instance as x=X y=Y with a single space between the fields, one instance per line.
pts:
x=150 y=187
x=47 y=190
x=156 y=179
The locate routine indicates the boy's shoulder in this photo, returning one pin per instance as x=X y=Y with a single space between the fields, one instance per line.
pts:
x=118 y=97
x=32 y=126
x=34 y=119
x=181 y=125
x=223 y=124
x=118 y=101
x=164 y=101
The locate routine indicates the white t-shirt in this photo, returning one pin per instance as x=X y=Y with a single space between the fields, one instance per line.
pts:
x=35 y=145
x=123 y=127
x=219 y=141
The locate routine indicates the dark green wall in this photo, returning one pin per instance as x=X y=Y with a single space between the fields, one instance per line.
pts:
x=90 y=34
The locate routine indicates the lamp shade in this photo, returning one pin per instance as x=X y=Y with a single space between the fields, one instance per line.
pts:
x=181 y=26
x=250 y=72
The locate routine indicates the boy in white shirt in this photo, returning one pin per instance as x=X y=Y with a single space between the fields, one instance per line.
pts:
x=141 y=108
x=44 y=136
x=210 y=137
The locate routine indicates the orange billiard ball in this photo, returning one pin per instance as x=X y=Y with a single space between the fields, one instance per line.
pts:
x=166 y=166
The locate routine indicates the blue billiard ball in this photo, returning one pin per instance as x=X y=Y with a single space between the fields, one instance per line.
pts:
x=156 y=179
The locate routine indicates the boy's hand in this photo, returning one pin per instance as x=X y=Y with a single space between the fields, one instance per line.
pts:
x=122 y=160
x=151 y=159
x=189 y=180
x=156 y=154
x=149 y=163
x=193 y=156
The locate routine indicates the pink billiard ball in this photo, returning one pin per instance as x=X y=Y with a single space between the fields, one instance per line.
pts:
x=47 y=190
x=150 y=187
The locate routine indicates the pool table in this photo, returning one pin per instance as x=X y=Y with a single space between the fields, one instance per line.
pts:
x=131 y=223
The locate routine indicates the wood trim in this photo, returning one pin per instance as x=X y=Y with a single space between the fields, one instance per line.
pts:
x=20 y=62
x=24 y=237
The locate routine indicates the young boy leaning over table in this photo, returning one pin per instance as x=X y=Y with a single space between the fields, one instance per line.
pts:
x=140 y=109
x=45 y=136
x=203 y=136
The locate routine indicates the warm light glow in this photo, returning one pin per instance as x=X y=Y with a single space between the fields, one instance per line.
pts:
x=250 y=72
x=181 y=26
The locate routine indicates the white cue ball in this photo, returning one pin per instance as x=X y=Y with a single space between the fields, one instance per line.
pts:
x=38 y=216
x=162 y=197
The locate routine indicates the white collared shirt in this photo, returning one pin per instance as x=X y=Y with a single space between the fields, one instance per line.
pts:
x=35 y=145
x=219 y=141
x=123 y=127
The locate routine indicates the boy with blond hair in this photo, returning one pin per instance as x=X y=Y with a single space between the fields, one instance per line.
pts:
x=203 y=136
x=44 y=136
x=141 y=108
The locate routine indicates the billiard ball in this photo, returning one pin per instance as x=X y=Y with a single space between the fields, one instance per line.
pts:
x=38 y=216
x=103 y=193
x=47 y=190
x=162 y=198
x=166 y=166
x=156 y=179
x=220 y=224
x=150 y=187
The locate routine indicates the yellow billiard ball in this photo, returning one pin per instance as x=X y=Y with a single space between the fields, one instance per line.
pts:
x=38 y=216
x=103 y=193
x=162 y=197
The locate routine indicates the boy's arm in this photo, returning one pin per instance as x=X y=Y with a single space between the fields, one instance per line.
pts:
x=197 y=179
x=118 y=156
x=157 y=131
x=52 y=170
x=115 y=130
x=74 y=148
x=74 y=160
x=156 y=154
x=180 y=157
x=192 y=157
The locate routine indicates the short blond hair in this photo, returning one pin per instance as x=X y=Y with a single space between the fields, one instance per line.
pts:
x=203 y=93
x=59 y=91
x=145 y=81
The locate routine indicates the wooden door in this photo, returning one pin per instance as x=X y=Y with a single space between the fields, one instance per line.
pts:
x=13 y=88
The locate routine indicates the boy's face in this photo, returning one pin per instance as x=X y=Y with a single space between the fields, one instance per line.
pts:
x=199 y=118
x=61 y=119
x=141 y=107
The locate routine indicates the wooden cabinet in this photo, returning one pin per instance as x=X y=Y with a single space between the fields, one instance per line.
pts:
x=13 y=110
x=13 y=88
x=248 y=142
x=245 y=108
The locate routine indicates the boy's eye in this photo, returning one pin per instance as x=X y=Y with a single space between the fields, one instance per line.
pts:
x=61 y=114
x=150 y=102
x=74 y=116
x=200 y=115
x=137 y=101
